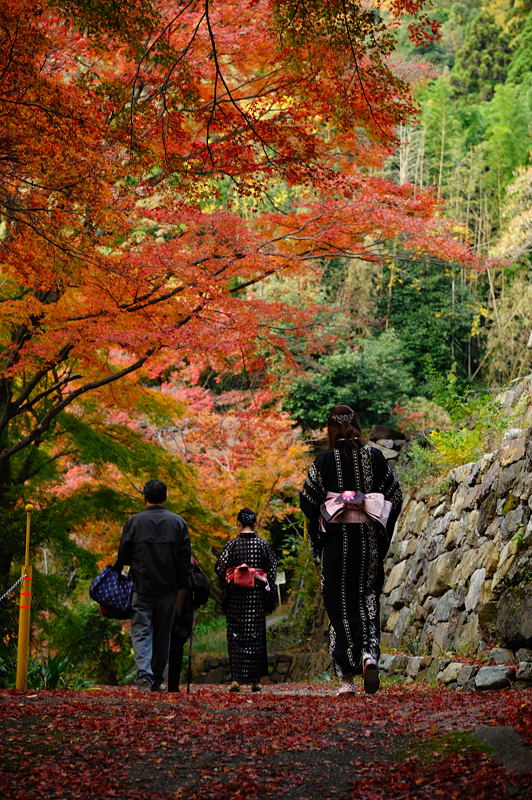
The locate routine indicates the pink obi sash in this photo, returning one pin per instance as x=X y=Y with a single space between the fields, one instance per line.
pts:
x=348 y=507
x=246 y=576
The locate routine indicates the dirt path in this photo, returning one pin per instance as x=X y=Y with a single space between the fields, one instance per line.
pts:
x=298 y=742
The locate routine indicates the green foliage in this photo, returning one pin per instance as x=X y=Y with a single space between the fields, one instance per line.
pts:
x=99 y=649
x=128 y=449
x=49 y=671
x=467 y=442
x=483 y=59
x=437 y=300
x=417 y=463
x=520 y=68
x=371 y=376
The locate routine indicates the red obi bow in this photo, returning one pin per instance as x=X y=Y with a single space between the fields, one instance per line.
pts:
x=246 y=576
x=348 y=507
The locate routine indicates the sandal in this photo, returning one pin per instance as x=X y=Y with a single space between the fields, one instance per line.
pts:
x=371 y=675
x=235 y=687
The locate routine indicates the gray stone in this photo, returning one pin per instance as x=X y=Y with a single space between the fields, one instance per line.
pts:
x=523 y=654
x=513 y=520
x=385 y=443
x=439 y=574
x=467 y=672
x=513 y=433
x=445 y=606
x=493 y=678
x=450 y=673
x=414 y=665
x=436 y=545
x=461 y=474
x=386 y=662
x=396 y=576
x=506 y=746
x=511 y=452
x=475 y=588
x=514 y=616
x=501 y=655
x=524 y=671
x=397 y=599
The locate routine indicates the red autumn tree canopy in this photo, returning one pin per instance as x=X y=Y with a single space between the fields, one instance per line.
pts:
x=123 y=130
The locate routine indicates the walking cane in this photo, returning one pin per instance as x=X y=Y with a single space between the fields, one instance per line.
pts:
x=189 y=671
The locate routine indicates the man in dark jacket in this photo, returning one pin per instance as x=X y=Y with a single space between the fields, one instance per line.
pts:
x=156 y=544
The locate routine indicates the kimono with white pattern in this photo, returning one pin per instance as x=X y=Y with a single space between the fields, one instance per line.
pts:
x=246 y=609
x=351 y=556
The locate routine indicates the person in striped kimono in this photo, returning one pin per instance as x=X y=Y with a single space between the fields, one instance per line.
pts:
x=351 y=499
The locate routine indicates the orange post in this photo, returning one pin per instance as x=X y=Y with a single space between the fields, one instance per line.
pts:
x=24 y=610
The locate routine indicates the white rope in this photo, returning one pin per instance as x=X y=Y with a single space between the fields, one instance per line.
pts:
x=13 y=587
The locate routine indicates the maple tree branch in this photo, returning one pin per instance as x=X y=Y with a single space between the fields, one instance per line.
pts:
x=44 y=423
x=26 y=473
x=357 y=69
x=56 y=387
x=157 y=39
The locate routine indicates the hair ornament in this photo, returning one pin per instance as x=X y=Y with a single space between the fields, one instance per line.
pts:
x=341 y=419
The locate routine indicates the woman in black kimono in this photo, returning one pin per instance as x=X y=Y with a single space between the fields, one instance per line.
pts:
x=350 y=536
x=244 y=607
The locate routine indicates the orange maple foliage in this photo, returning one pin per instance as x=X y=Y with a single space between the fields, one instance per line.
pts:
x=121 y=130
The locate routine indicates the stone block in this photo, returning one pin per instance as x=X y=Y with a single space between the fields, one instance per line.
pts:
x=399 y=665
x=523 y=654
x=467 y=564
x=387 y=443
x=469 y=636
x=445 y=606
x=440 y=638
x=513 y=451
x=392 y=621
x=464 y=498
x=508 y=555
x=462 y=473
x=386 y=662
x=450 y=673
x=467 y=672
x=218 y=675
x=396 y=598
x=475 y=588
x=488 y=557
x=514 y=616
x=513 y=520
x=501 y=655
x=493 y=678
x=455 y=534
x=387 y=452
x=524 y=671
x=413 y=665
x=439 y=574
x=396 y=576
x=435 y=546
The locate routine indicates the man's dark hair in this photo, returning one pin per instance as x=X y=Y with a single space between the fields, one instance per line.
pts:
x=154 y=491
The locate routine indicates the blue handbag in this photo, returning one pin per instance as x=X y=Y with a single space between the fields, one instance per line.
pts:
x=113 y=593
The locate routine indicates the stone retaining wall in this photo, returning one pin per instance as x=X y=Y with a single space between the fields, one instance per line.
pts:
x=460 y=563
x=281 y=667
x=506 y=670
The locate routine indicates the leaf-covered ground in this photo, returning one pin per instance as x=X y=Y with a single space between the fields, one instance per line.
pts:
x=298 y=742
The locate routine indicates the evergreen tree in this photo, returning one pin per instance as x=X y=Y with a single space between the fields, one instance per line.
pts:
x=520 y=68
x=482 y=61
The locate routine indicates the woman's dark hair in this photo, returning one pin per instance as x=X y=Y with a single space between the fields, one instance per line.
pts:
x=247 y=517
x=154 y=491
x=343 y=423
